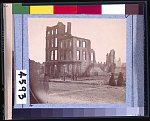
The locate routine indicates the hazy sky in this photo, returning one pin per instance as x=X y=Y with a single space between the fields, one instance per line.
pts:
x=105 y=34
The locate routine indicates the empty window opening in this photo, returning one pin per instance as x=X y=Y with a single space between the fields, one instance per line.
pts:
x=52 y=55
x=92 y=57
x=84 y=55
x=55 y=54
x=55 y=42
x=56 y=31
x=78 y=43
x=78 y=55
x=83 y=44
x=52 y=43
x=70 y=55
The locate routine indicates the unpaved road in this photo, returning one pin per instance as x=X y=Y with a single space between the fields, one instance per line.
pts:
x=82 y=93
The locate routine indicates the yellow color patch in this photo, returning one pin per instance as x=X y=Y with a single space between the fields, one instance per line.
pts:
x=47 y=9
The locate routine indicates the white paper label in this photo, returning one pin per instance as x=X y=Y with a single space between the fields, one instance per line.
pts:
x=21 y=86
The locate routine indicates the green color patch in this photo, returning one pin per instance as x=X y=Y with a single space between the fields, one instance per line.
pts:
x=17 y=8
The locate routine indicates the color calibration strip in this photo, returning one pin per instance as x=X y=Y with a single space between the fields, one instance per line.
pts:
x=18 y=8
x=75 y=112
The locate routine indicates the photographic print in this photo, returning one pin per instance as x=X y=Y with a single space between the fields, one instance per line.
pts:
x=77 y=60
x=74 y=60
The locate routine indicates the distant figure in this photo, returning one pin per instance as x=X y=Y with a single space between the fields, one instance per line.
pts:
x=76 y=76
x=72 y=77
x=64 y=78
x=65 y=74
x=120 y=79
x=112 y=80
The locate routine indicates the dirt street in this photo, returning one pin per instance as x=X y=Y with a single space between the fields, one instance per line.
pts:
x=73 y=92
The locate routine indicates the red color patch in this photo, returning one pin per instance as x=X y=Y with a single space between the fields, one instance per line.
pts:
x=89 y=9
x=65 y=9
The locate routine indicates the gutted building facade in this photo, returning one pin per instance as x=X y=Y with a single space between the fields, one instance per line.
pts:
x=110 y=61
x=66 y=55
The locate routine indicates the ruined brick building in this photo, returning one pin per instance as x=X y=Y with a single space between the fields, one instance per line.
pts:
x=113 y=65
x=110 y=61
x=66 y=54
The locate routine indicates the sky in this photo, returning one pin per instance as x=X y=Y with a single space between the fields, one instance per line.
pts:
x=105 y=34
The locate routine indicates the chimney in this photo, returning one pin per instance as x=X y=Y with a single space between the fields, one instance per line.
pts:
x=68 y=27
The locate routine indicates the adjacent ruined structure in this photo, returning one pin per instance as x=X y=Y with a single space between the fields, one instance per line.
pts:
x=118 y=65
x=118 y=62
x=66 y=54
x=110 y=61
